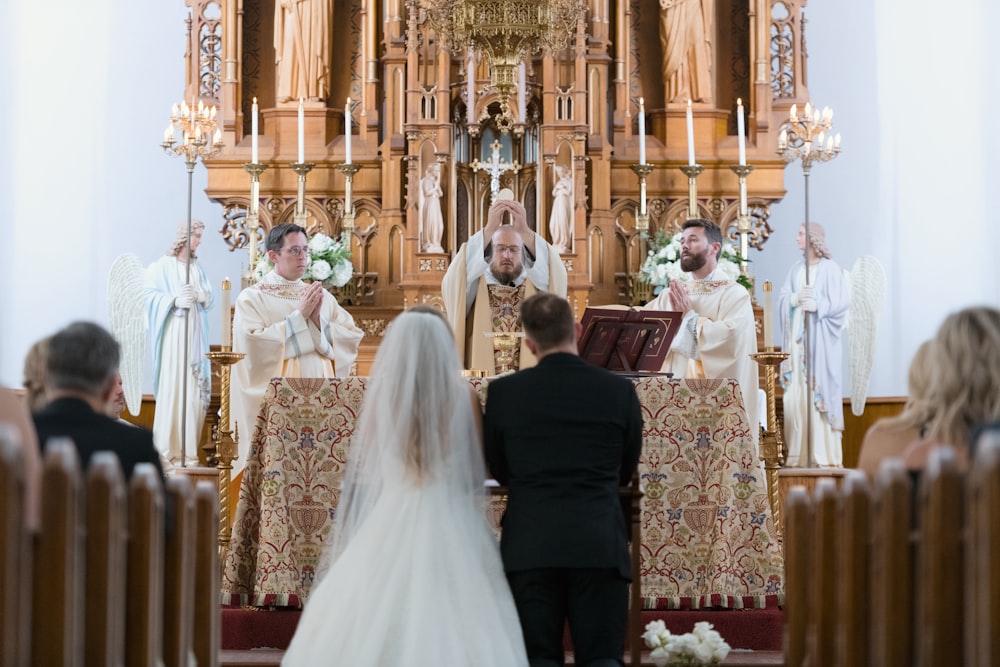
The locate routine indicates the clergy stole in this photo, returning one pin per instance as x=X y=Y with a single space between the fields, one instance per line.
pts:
x=497 y=308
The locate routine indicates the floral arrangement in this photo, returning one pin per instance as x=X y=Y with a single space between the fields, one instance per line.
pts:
x=663 y=263
x=702 y=646
x=329 y=262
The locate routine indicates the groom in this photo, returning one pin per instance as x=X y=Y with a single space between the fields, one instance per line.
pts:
x=563 y=436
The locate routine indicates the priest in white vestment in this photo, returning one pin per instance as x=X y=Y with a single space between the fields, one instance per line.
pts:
x=825 y=297
x=718 y=333
x=170 y=295
x=286 y=328
x=484 y=286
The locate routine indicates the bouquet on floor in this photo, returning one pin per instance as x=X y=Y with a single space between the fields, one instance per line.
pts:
x=663 y=263
x=329 y=262
x=701 y=647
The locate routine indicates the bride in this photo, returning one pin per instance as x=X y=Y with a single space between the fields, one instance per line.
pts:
x=414 y=574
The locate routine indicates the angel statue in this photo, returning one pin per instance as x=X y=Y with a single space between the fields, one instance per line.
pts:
x=169 y=301
x=817 y=303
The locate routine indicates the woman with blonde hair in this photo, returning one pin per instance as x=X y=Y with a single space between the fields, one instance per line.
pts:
x=411 y=555
x=34 y=375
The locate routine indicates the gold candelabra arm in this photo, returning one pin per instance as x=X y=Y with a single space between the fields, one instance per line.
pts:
x=772 y=450
x=348 y=169
x=301 y=169
x=692 y=171
x=225 y=446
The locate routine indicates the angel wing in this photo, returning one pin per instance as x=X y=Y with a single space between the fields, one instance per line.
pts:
x=867 y=285
x=127 y=307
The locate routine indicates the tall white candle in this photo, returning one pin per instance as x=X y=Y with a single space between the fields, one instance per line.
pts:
x=642 y=131
x=740 y=131
x=768 y=314
x=302 y=131
x=226 y=324
x=253 y=131
x=522 y=75
x=347 y=130
x=690 y=130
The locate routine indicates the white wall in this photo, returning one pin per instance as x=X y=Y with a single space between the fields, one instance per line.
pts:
x=88 y=181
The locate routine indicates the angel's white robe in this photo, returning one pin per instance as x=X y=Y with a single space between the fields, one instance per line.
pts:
x=831 y=291
x=716 y=339
x=164 y=280
x=464 y=290
x=279 y=342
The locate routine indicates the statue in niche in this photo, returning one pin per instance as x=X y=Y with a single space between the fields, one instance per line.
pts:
x=431 y=219
x=302 y=30
x=687 y=49
x=561 y=220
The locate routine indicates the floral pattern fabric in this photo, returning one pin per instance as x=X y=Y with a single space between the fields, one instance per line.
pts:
x=707 y=534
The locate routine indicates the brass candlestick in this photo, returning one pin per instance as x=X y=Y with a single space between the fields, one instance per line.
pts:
x=642 y=220
x=743 y=219
x=348 y=169
x=772 y=446
x=692 y=171
x=225 y=446
x=301 y=168
x=255 y=169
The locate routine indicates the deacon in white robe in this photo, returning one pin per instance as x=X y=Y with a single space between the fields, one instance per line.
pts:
x=826 y=299
x=286 y=328
x=718 y=333
x=484 y=286
x=169 y=297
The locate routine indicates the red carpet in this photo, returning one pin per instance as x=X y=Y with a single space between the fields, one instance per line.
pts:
x=754 y=629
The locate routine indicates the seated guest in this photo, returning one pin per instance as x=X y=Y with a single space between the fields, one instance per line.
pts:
x=889 y=437
x=14 y=414
x=964 y=388
x=117 y=405
x=34 y=375
x=80 y=377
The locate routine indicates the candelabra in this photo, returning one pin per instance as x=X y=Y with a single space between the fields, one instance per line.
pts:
x=225 y=445
x=772 y=449
x=200 y=138
x=692 y=171
x=347 y=224
x=808 y=140
x=255 y=169
x=743 y=219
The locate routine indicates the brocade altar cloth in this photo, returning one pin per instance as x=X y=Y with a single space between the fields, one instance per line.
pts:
x=708 y=538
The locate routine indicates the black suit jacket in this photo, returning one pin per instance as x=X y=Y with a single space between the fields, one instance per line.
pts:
x=563 y=436
x=94 y=432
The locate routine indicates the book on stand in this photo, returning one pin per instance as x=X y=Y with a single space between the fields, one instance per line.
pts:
x=626 y=339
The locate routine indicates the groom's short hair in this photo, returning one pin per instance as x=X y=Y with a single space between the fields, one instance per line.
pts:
x=548 y=320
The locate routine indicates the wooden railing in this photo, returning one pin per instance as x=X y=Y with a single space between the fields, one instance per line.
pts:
x=110 y=577
x=891 y=575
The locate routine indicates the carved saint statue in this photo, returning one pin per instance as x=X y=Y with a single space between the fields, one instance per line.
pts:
x=561 y=220
x=302 y=30
x=686 y=38
x=431 y=220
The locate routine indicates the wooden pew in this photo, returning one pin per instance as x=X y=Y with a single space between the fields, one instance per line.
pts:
x=88 y=588
x=868 y=582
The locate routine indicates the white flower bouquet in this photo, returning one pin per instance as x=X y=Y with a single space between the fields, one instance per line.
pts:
x=329 y=262
x=701 y=647
x=663 y=263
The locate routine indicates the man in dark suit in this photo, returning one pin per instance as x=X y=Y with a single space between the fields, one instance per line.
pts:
x=81 y=376
x=563 y=436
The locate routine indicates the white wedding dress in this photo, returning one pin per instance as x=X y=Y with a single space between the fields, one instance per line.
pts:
x=416 y=577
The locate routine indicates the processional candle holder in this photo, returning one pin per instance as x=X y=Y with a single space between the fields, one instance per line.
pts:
x=692 y=171
x=225 y=445
x=255 y=169
x=772 y=446
x=743 y=218
x=301 y=169
x=347 y=223
x=807 y=140
x=200 y=138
